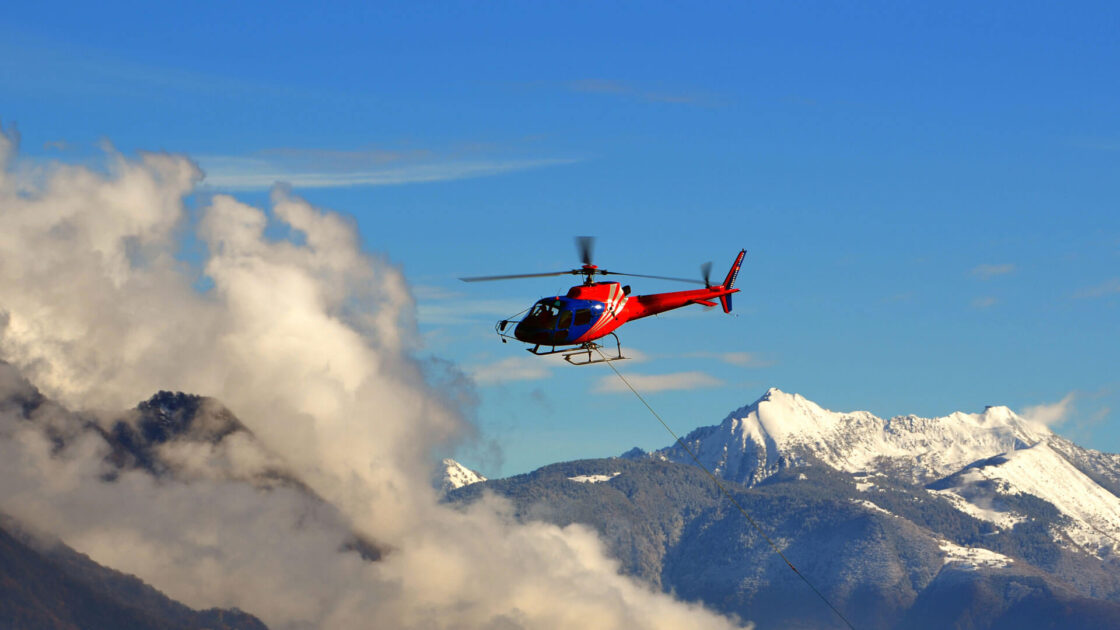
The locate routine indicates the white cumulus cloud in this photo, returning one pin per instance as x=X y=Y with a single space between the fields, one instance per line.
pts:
x=308 y=342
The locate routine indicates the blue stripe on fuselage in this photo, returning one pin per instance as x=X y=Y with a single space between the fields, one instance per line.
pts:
x=560 y=329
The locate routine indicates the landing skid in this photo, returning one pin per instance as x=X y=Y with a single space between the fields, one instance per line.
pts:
x=581 y=354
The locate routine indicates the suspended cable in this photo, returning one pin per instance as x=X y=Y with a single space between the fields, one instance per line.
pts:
x=727 y=494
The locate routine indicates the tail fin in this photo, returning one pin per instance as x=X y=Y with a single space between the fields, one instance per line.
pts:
x=729 y=281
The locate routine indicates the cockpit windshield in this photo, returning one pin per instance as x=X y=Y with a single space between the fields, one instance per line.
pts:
x=544 y=314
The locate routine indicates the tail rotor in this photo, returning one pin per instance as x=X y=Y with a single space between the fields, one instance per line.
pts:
x=706 y=273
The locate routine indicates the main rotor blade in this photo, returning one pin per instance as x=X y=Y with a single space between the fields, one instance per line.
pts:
x=522 y=275
x=642 y=275
x=576 y=272
x=586 y=245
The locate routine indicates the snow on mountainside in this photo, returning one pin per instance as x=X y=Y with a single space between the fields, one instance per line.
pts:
x=980 y=520
x=1093 y=513
x=980 y=462
x=456 y=475
x=973 y=558
x=783 y=429
x=1103 y=468
x=593 y=478
x=890 y=557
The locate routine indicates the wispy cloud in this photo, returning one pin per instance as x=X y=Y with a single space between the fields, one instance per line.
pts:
x=648 y=383
x=1096 y=418
x=431 y=292
x=344 y=158
x=1052 y=414
x=339 y=170
x=57 y=145
x=989 y=271
x=984 y=302
x=517 y=368
x=532 y=368
x=633 y=355
x=1108 y=287
x=463 y=311
x=77 y=71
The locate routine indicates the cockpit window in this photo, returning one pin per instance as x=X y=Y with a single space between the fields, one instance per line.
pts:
x=565 y=320
x=583 y=317
x=543 y=315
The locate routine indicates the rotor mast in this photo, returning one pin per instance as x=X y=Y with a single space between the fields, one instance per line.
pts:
x=588 y=271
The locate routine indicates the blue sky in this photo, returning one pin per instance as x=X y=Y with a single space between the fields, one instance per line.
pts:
x=929 y=194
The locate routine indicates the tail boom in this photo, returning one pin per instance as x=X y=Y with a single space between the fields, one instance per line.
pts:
x=639 y=306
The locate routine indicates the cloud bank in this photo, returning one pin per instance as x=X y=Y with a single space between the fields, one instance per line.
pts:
x=308 y=342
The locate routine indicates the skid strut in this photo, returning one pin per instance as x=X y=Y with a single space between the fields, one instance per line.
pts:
x=581 y=354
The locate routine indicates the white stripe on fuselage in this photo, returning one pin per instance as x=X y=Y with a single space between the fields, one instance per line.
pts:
x=616 y=302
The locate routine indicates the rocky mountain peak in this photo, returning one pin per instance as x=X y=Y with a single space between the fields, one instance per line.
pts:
x=781 y=429
x=455 y=475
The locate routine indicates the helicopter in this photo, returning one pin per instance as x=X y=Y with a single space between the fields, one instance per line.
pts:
x=571 y=324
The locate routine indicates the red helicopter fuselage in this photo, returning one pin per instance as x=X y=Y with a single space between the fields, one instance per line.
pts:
x=594 y=310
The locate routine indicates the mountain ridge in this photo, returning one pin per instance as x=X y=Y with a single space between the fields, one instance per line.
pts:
x=969 y=520
x=788 y=428
x=978 y=520
x=46 y=584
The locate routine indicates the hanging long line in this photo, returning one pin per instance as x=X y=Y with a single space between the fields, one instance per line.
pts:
x=727 y=494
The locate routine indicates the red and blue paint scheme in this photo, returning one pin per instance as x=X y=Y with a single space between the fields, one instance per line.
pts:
x=596 y=309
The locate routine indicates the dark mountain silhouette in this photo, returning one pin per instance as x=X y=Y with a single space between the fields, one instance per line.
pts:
x=51 y=586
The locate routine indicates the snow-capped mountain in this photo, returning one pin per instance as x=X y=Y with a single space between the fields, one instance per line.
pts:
x=980 y=462
x=781 y=429
x=890 y=555
x=980 y=520
x=455 y=475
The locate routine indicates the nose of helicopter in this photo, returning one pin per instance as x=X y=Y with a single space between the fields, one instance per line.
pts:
x=535 y=335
